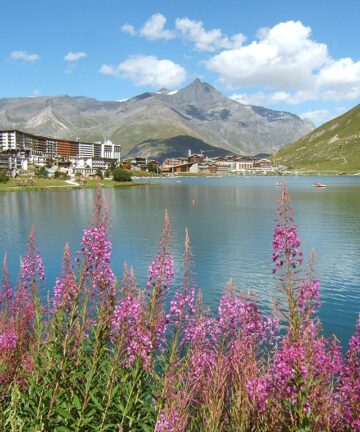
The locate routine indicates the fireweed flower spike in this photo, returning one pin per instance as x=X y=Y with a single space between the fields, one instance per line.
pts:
x=96 y=252
x=32 y=273
x=176 y=393
x=128 y=284
x=32 y=269
x=160 y=277
x=287 y=255
x=129 y=329
x=309 y=295
x=65 y=289
x=286 y=244
x=161 y=270
x=305 y=364
x=6 y=291
x=349 y=392
x=182 y=305
x=18 y=328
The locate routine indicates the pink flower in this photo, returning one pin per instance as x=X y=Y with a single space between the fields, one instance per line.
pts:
x=96 y=250
x=65 y=286
x=258 y=390
x=161 y=271
x=32 y=267
x=128 y=325
x=182 y=305
x=286 y=244
x=8 y=340
x=309 y=296
x=349 y=391
x=168 y=421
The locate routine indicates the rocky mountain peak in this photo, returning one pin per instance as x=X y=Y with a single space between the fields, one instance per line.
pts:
x=198 y=92
x=153 y=120
x=201 y=87
x=163 y=90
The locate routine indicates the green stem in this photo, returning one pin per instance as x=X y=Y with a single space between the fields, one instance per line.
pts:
x=134 y=382
x=111 y=382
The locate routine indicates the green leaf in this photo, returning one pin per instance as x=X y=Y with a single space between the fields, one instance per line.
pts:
x=76 y=401
x=63 y=413
x=96 y=401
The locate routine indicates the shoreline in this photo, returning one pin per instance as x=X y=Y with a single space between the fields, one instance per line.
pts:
x=49 y=185
x=65 y=185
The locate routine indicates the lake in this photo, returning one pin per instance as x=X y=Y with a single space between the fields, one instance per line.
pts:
x=230 y=221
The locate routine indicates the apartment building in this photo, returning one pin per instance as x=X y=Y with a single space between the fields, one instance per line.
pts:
x=40 y=149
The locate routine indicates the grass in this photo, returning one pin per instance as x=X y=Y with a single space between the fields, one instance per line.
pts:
x=333 y=148
x=38 y=184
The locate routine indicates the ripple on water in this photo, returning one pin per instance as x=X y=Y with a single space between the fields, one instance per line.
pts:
x=230 y=228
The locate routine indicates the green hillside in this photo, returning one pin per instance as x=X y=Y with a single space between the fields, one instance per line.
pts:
x=333 y=148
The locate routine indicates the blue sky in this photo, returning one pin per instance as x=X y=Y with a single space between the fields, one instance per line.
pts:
x=300 y=56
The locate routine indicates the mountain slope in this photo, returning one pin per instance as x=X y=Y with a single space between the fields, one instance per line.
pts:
x=198 y=111
x=333 y=147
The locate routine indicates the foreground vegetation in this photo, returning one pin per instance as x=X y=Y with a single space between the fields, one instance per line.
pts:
x=106 y=355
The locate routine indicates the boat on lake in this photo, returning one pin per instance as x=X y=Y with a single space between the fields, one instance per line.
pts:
x=319 y=185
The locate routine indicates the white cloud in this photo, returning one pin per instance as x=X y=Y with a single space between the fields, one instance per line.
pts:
x=206 y=40
x=344 y=72
x=191 y=30
x=74 y=56
x=298 y=97
x=284 y=58
x=128 y=28
x=154 y=28
x=341 y=94
x=274 y=98
x=148 y=70
x=317 y=116
x=108 y=70
x=23 y=55
x=284 y=64
x=288 y=66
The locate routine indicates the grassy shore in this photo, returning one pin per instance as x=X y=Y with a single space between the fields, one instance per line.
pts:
x=38 y=184
x=317 y=172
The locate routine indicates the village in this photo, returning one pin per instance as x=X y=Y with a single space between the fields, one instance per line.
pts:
x=19 y=151
x=201 y=164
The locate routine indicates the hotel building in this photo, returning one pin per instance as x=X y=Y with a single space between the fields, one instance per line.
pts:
x=40 y=149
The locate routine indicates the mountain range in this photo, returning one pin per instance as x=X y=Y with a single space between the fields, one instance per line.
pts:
x=158 y=124
x=334 y=147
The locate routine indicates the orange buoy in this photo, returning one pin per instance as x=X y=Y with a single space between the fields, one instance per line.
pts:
x=193 y=202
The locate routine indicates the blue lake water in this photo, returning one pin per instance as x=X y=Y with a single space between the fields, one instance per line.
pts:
x=230 y=227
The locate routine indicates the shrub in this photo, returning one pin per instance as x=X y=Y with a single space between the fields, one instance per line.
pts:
x=41 y=172
x=4 y=178
x=107 y=355
x=121 y=175
x=153 y=167
x=60 y=175
x=99 y=173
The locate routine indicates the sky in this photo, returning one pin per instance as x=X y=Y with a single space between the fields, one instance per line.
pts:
x=299 y=56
